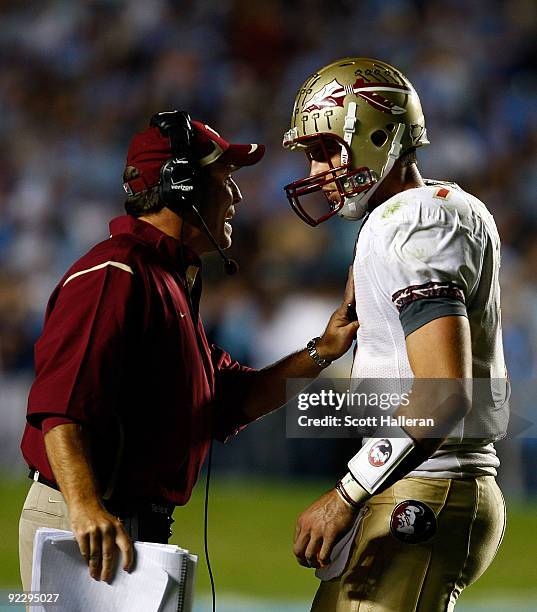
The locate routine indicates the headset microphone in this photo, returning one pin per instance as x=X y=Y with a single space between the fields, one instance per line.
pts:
x=230 y=265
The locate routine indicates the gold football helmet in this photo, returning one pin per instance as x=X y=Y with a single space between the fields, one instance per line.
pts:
x=368 y=113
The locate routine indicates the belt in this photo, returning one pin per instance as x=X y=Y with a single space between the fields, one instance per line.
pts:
x=126 y=508
x=120 y=508
x=38 y=477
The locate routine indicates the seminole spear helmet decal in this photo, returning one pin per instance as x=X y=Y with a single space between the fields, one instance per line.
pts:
x=368 y=113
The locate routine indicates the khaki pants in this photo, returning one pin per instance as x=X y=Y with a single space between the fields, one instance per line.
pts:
x=44 y=507
x=387 y=574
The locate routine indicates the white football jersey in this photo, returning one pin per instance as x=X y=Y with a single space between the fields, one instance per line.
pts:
x=435 y=241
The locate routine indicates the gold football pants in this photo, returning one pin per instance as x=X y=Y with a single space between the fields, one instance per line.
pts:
x=387 y=572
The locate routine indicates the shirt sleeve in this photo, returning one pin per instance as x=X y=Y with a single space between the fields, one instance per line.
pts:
x=232 y=384
x=50 y=422
x=81 y=353
x=427 y=262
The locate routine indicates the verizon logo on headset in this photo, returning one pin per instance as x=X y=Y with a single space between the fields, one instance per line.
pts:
x=180 y=186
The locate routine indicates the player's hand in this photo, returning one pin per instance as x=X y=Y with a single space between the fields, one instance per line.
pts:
x=319 y=527
x=99 y=535
x=342 y=326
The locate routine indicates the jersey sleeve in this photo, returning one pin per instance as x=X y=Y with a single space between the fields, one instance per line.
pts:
x=232 y=384
x=80 y=355
x=427 y=261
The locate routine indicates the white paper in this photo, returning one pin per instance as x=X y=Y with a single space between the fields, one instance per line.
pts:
x=40 y=537
x=154 y=584
x=171 y=558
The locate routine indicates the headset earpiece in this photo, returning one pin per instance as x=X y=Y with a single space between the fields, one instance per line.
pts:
x=178 y=176
x=178 y=184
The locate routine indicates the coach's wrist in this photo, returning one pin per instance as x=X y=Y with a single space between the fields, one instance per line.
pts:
x=326 y=349
x=80 y=501
x=320 y=358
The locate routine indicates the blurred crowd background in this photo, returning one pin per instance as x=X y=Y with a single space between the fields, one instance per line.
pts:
x=78 y=78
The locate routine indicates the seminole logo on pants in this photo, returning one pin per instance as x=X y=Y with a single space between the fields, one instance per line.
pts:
x=413 y=522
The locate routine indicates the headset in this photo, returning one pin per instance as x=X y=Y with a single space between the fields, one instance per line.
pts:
x=179 y=176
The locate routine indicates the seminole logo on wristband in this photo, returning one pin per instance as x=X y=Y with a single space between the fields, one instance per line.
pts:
x=413 y=522
x=380 y=453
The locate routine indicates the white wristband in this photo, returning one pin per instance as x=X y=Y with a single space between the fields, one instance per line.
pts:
x=378 y=458
x=352 y=489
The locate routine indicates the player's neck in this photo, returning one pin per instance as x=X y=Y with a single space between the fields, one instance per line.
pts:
x=410 y=177
x=400 y=178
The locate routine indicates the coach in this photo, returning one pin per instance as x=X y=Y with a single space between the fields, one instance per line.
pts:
x=128 y=392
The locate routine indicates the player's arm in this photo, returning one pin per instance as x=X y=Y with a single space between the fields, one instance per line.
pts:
x=96 y=530
x=452 y=342
x=449 y=399
x=319 y=527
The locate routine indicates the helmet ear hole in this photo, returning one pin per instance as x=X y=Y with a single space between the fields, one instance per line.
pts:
x=379 y=137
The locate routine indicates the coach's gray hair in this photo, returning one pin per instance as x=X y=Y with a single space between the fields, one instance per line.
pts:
x=144 y=202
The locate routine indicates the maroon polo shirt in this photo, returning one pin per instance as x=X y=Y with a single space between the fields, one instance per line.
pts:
x=120 y=355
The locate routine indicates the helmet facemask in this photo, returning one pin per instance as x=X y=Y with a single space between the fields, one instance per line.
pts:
x=309 y=197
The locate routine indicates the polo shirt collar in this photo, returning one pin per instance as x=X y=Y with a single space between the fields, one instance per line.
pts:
x=168 y=246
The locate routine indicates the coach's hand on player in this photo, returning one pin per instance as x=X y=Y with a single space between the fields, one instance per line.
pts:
x=319 y=527
x=342 y=326
x=99 y=535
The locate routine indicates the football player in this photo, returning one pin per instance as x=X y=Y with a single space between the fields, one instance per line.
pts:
x=418 y=517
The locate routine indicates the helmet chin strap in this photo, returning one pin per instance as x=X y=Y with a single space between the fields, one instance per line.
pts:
x=355 y=207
